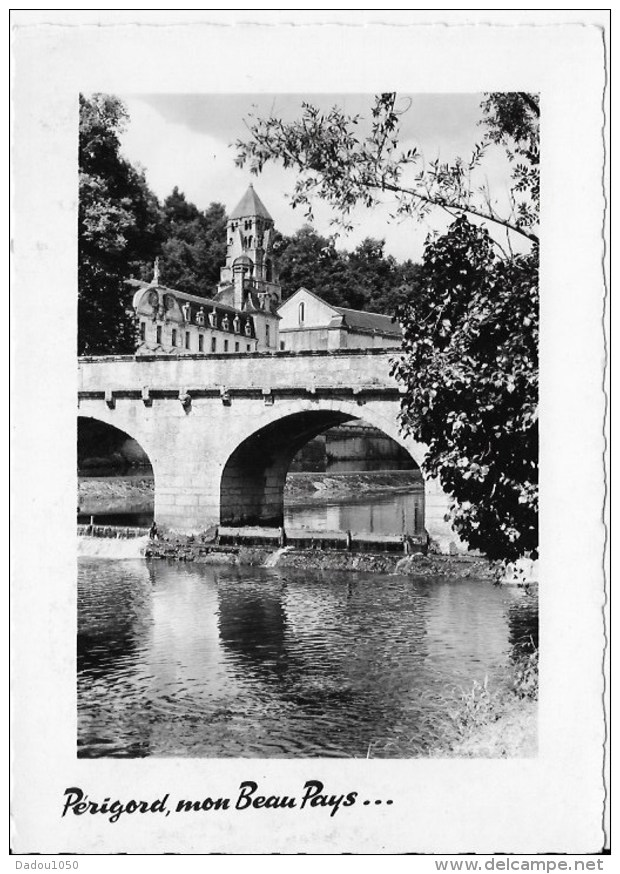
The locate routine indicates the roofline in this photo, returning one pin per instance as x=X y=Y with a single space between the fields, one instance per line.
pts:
x=334 y=307
x=348 y=328
x=204 y=301
x=312 y=294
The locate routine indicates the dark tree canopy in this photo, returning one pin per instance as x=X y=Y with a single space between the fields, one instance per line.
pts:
x=470 y=365
x=364 y=278
x=118 y=228
x=195 y=245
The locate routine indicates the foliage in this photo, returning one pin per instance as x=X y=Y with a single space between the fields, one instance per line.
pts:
x=195 y=245
x=308 y=260
x=470 y=366
x=118 y=228
x=525 y=684
x=364 y=279
x=511 y=120
x=342 y=160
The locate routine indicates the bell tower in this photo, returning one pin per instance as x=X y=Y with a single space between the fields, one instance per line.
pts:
x=249 y=252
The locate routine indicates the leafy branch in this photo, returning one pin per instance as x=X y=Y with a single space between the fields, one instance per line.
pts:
x=337 y=163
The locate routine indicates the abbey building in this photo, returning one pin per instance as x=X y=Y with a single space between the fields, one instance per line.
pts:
x=246 y=313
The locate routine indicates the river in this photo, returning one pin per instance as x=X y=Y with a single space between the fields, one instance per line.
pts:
x=394 y=512
x=218 y=661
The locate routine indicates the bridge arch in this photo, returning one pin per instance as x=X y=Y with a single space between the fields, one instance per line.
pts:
x=254 y=474
x=101 y=441
x=100 y=444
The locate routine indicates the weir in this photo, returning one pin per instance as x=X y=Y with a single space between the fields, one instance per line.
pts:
x=114 y=531
x=116 y=548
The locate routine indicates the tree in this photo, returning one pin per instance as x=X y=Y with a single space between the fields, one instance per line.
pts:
x=309 y=260
x=380 y=282
x=342 y=161
x=469 y=362
x=470 y=366
x=362 y=279
x=195 y=245
x=118 y=228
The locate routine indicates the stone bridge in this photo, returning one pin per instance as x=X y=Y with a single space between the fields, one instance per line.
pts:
x=220 y=431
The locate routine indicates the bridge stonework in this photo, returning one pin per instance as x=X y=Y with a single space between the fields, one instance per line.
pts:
x=220 y=431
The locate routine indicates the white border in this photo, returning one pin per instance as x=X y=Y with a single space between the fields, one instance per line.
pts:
x=552 y=803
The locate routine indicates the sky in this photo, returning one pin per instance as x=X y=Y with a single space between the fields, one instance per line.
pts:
x=187 y=140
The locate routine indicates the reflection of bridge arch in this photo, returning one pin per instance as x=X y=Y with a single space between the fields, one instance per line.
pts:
x=254 y=475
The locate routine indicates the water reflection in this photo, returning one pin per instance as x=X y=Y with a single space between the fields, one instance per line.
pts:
x=523 y=625
x=252 y=625
x=191 y=660
x=394 y=514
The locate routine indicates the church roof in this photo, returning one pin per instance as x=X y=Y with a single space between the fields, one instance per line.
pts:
x=250 y=205
x=370 y=321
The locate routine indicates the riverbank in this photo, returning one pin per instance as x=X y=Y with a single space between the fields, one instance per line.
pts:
x=136 y=492
x=128 y=493
x=499 y=724
x=487 y=723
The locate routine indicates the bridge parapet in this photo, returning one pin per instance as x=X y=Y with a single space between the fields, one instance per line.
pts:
x=338 y=370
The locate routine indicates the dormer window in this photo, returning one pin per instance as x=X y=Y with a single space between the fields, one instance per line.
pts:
x=225 y=323
x=236 y=324
x=248 y=328
x=212 y=319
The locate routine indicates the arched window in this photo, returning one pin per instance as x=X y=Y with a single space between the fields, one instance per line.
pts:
x=302 y=312
x=268 y=270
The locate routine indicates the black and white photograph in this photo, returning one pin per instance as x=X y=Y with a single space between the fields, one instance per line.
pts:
x=289 y=424
x=331 y=410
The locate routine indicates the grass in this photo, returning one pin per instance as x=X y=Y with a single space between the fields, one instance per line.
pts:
x=486 y=722
x=498 y=724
